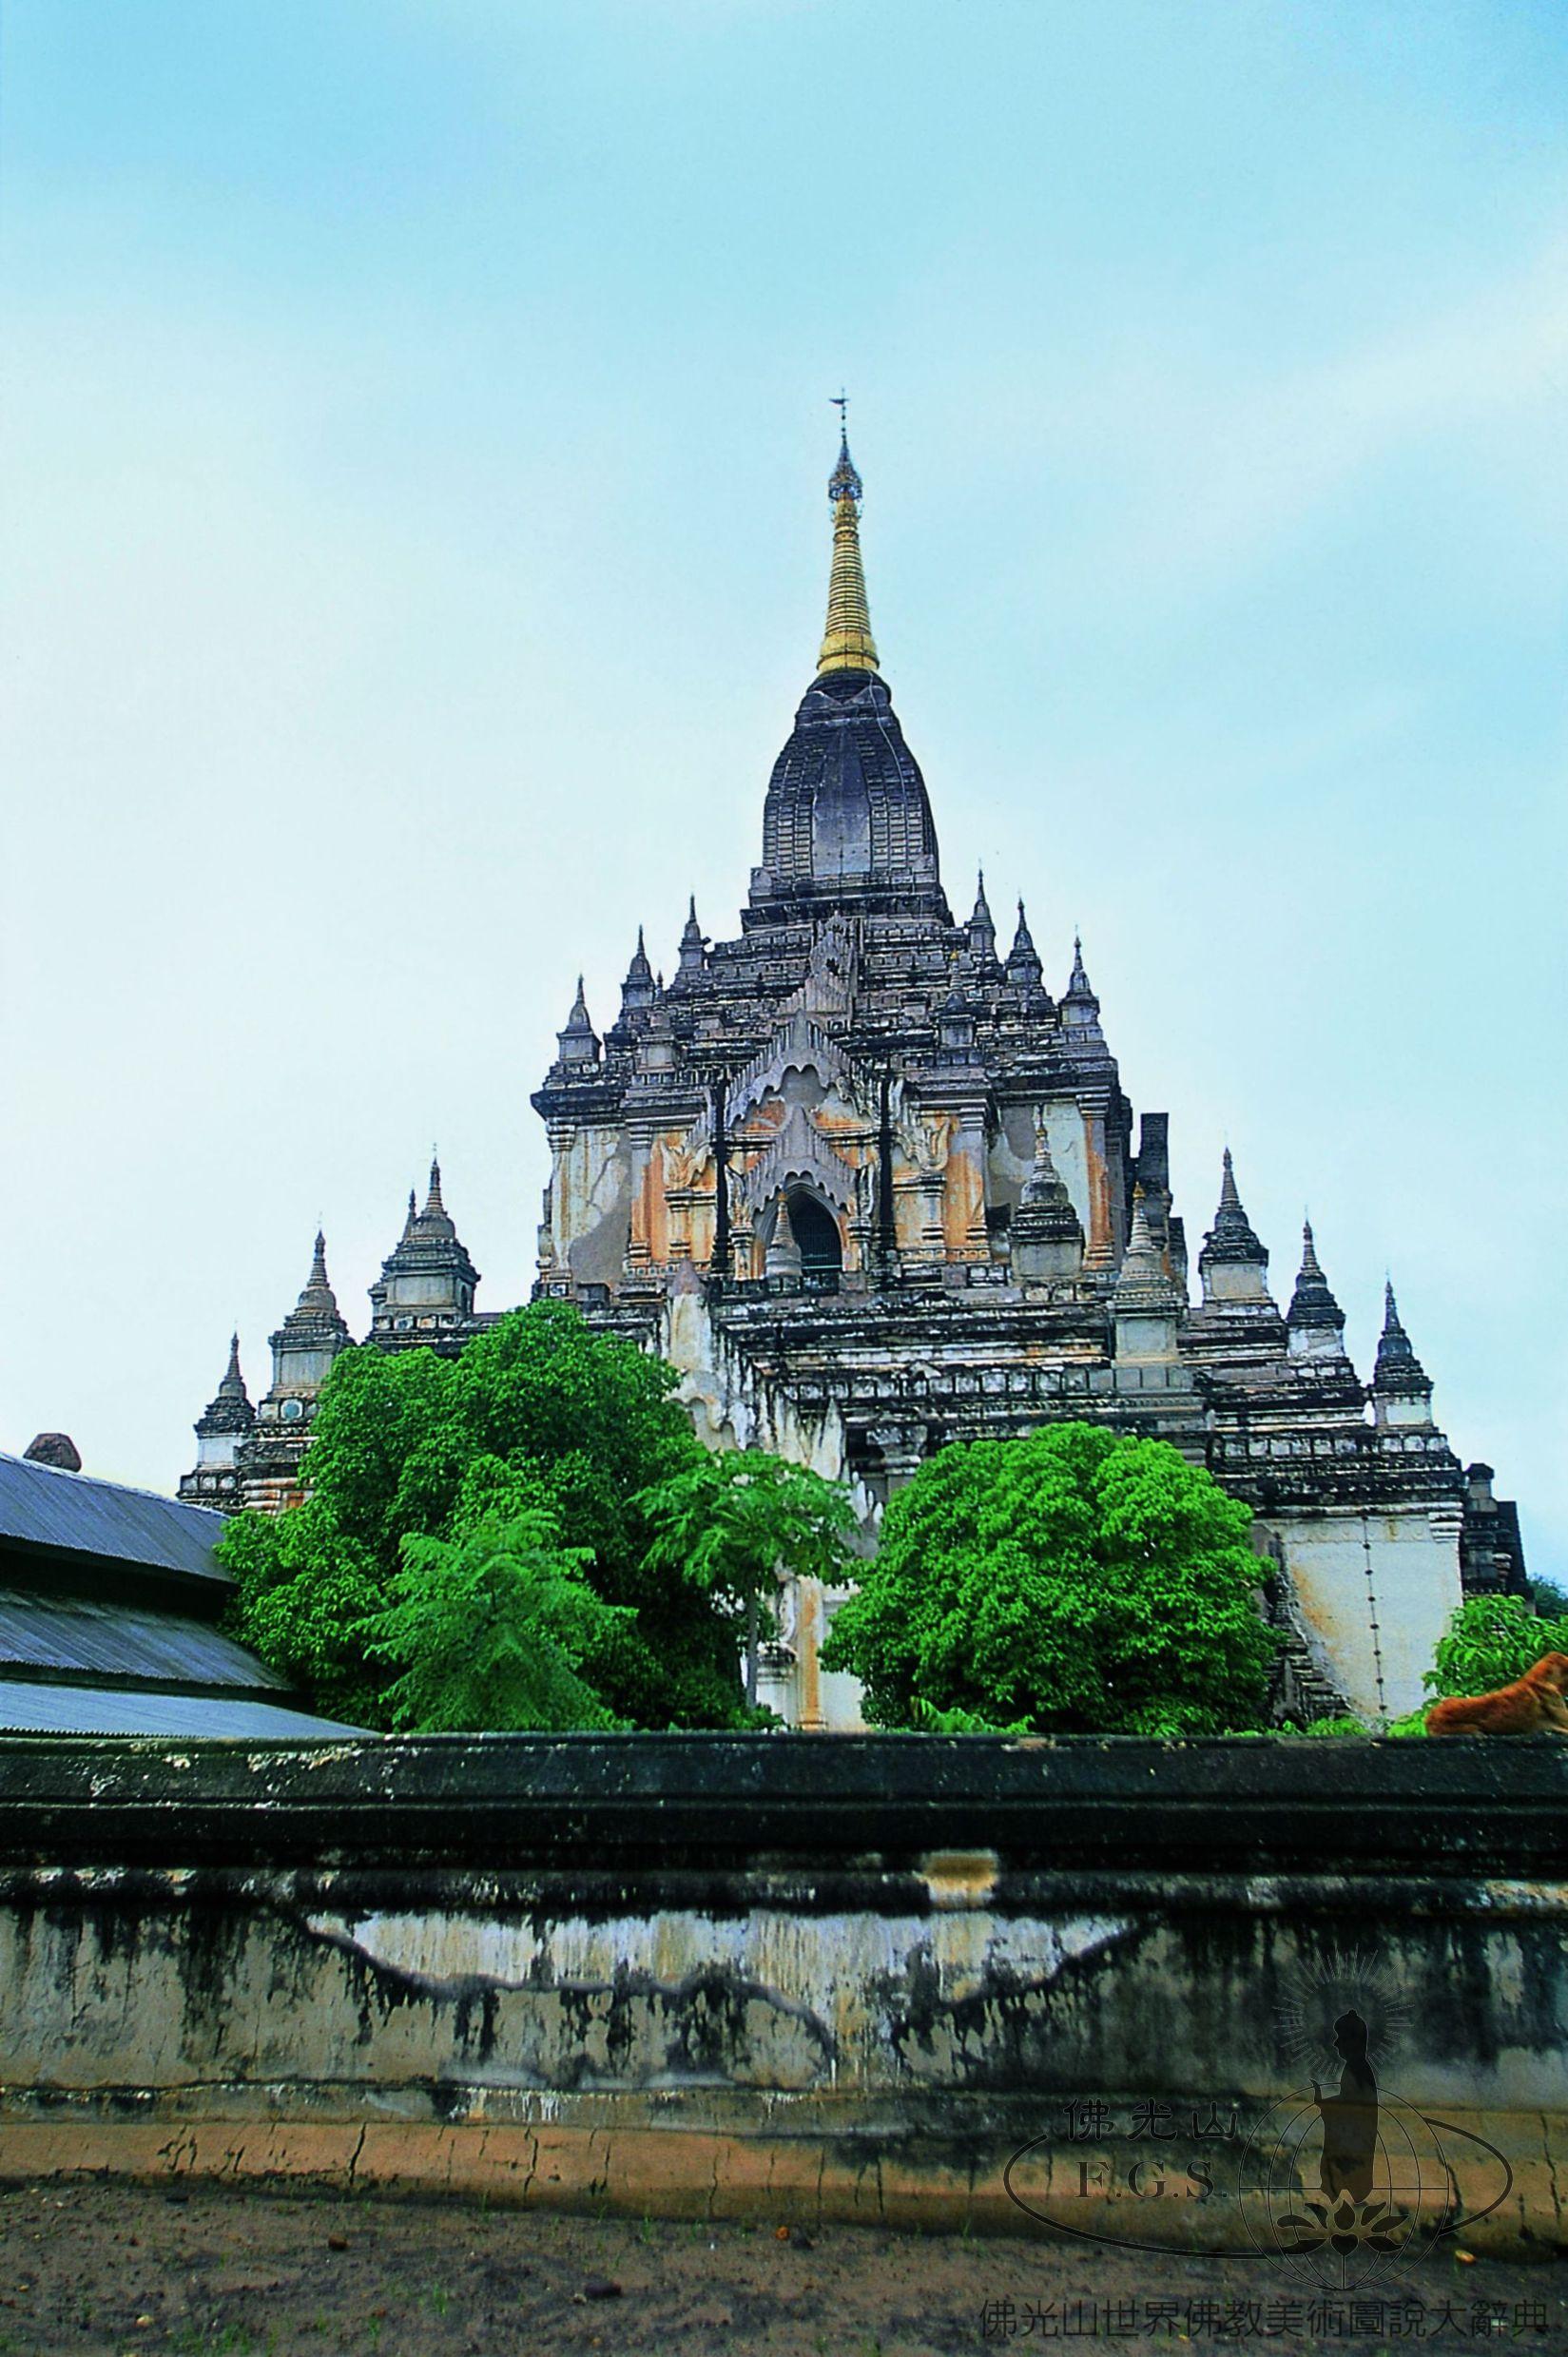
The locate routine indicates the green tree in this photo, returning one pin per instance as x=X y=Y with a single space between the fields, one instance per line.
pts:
x=303 y=1585
x=735 y=1522
x=1490 y=1641
x=490 y=1630
x=1074 y=1581
x=408 y=1445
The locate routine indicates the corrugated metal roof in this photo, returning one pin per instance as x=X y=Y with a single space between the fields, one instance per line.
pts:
x=41 y=1506
x=85 y=1710
x=74 y=1632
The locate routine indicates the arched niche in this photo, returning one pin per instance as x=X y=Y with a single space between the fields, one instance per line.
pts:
x=816 y=1231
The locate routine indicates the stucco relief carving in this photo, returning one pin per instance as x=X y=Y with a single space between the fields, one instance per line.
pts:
x=684 y=1163
x=832 y=970
x=924 y=1141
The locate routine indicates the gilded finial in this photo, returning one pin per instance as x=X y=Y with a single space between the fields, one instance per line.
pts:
x=847 y=644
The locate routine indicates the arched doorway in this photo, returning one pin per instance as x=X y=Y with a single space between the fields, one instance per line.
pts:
x=816 y=1231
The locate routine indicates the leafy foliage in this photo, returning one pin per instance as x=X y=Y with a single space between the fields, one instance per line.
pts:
x=1074 y=1581
x=490 y=1630
x=927 y=1720
x=536 y=1411
x=1490 y=1641
x=303 y=1587
x=1551 y=1598
x=735 y=1521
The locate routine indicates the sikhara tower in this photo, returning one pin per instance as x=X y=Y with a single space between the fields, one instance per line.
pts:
x=871 y=1186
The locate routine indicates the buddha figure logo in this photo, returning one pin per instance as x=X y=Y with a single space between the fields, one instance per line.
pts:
x=1333 y=2179
x=1339 y=2181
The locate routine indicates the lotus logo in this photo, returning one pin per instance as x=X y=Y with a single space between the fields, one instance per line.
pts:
x=1348 y=2227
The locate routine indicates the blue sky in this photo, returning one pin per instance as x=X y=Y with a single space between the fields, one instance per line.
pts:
x=416 y=447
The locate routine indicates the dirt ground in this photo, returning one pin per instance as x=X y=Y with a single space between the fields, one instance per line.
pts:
x=108 y=2268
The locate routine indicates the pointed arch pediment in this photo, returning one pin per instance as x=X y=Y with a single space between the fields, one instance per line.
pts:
x=799 y=1045
x=800 y=1155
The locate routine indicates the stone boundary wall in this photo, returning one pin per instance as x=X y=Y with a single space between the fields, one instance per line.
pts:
x=1064 y=1988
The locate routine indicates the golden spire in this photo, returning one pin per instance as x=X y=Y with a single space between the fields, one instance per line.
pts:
x=847 y=642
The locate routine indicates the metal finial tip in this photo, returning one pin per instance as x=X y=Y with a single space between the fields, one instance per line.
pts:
x=845 y=482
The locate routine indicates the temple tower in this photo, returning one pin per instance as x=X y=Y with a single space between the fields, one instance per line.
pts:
x=222 y=1429
x=1047 y=1233
x=1401 y=1390
x=425 y=1292
x=847 y=822
x=1314 y=1322
x=1232 y=1266
x=269 y=1460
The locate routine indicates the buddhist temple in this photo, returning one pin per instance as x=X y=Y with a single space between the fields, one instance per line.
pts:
x=871 y=1187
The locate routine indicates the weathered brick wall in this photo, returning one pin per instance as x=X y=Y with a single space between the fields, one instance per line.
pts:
x=788 y=1976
